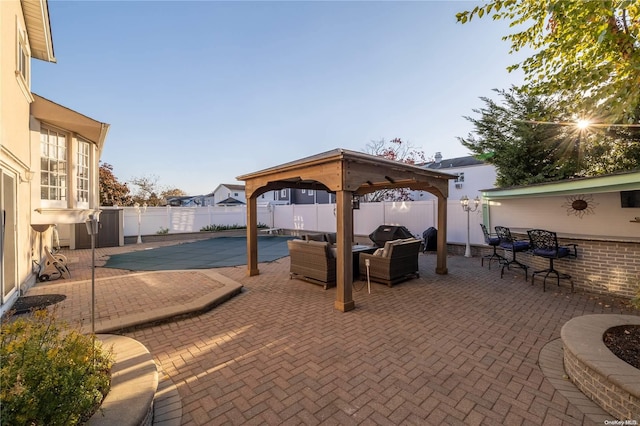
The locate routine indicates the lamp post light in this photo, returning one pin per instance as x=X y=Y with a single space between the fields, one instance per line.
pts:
x=92 y=229
x=140 y=211
x=464 y=201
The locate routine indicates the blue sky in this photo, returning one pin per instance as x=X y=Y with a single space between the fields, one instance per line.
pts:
x=200 y=92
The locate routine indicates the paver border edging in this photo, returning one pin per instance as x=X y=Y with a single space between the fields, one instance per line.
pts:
x=607 y=380
x=134 y=381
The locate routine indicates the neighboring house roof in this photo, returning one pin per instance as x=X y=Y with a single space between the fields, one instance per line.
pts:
x=230 y=202
x=178 y=201
x=50 y=112
x=231 y=186
x=450 y=163
x=36 y=18
x=623 y=181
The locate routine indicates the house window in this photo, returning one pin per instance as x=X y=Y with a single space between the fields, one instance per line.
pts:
x=83 y=171
x=304 y=191
x=311 y=192
x=283 y=193
x=53 y=165
x=460 y=177
x=22 y=57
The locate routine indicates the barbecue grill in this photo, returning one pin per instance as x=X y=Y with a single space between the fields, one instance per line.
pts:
x=386 y=233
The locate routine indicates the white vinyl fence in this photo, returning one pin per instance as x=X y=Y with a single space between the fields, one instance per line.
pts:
x=416 y=216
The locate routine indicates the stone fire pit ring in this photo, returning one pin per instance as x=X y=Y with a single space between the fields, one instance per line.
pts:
x=599 y=374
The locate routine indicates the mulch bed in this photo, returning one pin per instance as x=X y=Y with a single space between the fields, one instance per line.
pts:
x=31 y=303
x=624 y=342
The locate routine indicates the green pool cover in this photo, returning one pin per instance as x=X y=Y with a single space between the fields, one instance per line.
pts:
x=211 y=253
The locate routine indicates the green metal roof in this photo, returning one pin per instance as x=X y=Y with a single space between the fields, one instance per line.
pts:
x=625 y=181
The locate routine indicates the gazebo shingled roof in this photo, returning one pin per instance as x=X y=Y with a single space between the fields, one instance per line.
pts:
x=345 y=173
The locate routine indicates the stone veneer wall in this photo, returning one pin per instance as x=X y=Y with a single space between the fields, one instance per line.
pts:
x=604 y=267
x=599 y=374
x=614 y=400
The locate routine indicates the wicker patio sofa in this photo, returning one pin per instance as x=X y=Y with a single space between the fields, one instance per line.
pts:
x=312 y=261
x=396 y=262
x=329 y=237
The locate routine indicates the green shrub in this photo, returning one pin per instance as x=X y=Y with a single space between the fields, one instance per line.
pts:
x=215 y=228
x=162 y=231
x=49 y=373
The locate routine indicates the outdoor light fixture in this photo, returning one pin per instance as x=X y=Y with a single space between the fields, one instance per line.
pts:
x=140 y=210
x=92 y=224
x=464 y=201
x=355 y=202
x=28 y=175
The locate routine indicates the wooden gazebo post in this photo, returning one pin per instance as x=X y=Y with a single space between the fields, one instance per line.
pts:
x=344 y=265
x=441 y=258
x=252 y=235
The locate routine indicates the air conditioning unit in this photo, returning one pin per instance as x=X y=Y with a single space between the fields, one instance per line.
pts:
x=458 y=185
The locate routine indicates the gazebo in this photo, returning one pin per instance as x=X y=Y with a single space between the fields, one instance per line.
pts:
x=346 y=173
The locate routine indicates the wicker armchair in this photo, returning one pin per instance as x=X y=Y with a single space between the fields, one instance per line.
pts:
x=312 y=261
x=396 y=262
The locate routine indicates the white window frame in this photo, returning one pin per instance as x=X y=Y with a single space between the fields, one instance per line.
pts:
x=283 y=193
x=460 y=177
x=83 y=170
x=23 y=62
x=51 y=181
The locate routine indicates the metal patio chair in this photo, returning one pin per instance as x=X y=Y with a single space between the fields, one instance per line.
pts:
x=493 y=241
x=545 y=244
x=513 y=245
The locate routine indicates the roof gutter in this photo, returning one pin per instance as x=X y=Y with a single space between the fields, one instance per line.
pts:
x=599 y=184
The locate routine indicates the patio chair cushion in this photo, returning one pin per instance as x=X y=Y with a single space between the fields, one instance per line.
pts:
x=387 y=247
x=548 y=252
x=493 y=241
x=516 y=245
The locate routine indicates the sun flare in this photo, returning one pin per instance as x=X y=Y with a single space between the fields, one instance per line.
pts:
x=583 y=124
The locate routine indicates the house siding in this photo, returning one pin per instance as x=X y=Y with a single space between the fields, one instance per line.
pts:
x=15 y=151
x=20 y=153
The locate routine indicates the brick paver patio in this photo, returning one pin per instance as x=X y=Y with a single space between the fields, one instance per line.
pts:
x=456 y=349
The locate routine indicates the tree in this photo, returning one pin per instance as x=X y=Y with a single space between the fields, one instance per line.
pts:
x=112 y=192
x=147 y=190
x=151 y=193
x=586 y=53
x=612 y=150
x=396 y=150
x=172 y=192
x=522 y=152
x=527 y=139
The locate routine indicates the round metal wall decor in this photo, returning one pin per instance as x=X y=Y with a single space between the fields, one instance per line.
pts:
x=580 y=205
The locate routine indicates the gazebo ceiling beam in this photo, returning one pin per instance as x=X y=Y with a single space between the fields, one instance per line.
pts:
x=416 y=186
x=285 y=184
